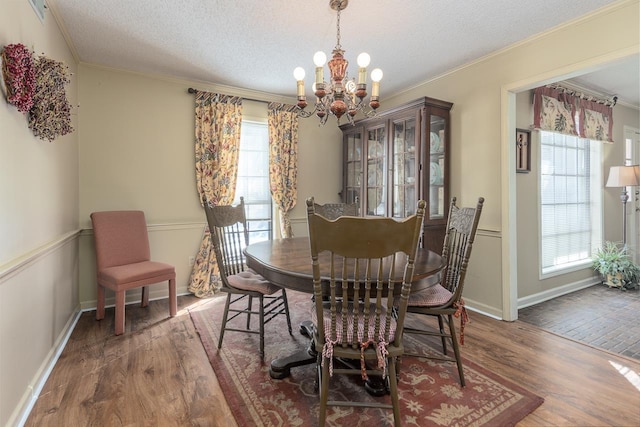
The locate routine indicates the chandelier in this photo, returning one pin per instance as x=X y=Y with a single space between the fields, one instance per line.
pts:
x=341 y=94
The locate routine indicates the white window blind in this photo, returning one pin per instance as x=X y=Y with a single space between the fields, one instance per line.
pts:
x=570 y=202
x=253 y=180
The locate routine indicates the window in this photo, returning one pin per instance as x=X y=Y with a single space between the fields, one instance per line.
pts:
x=570 y=202
x=253 y=180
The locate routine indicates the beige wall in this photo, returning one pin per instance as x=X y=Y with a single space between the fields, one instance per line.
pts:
x=137 y=152
x=38 y=225
x=613 y=155
x=529 y=285
x=483 y=125
x=134 y=149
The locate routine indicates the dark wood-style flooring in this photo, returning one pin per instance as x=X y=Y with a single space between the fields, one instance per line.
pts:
x=158 y=374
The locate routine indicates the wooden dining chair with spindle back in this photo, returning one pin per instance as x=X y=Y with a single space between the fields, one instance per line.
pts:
x=229 y=237
x=444 y=300
x=335 y=210
x=357 y=320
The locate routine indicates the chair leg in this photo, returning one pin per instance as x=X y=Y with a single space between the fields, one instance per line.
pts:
x=324 y=392
x=119 y=312
x=249 y=307
x=316 y=384
x=393 y=391
x=456 y=350
x=224 y=319
x=100 y=303
x=145 y=296
x=173 y=300
x=286 y=309
x=261 y=327
x=442 y=334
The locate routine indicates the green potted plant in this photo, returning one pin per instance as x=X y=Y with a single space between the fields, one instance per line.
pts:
x=616 y=265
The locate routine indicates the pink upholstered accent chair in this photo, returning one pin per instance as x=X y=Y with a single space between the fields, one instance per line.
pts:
x=123 y=261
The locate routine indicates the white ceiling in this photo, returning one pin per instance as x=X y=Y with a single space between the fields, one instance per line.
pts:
x=256 y=44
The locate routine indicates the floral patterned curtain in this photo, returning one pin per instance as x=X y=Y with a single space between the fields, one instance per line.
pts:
x=596 y=120
x=283 y=161
x=555 y=109
x=217 y=130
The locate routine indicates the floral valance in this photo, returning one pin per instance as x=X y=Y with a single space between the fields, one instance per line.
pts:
x=596 y=120
x=556 y=110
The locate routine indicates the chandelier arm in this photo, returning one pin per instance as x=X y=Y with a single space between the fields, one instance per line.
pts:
x=304 y=113
x=369 y=113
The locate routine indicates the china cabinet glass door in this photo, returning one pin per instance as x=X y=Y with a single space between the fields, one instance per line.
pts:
x=376 y=176
x=397 y=158
x=404 y=168
x=437 y=165
x=353 y=162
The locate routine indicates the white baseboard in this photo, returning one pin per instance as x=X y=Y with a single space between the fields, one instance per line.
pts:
x=31 y=394
x=133 y=297
x=478 y=307
x=532 y=299
x=556 y=292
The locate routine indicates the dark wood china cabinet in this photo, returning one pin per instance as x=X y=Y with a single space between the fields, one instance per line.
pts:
x=398 y=157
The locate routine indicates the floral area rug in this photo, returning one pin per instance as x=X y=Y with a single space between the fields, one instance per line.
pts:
x=430 y=393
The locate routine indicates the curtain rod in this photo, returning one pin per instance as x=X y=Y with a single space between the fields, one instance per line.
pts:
x=192 y=90
x=608 y=102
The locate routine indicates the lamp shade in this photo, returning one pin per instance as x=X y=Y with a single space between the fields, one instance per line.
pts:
x=624 y=176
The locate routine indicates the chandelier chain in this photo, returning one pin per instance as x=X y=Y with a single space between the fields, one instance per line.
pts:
x=338 y=46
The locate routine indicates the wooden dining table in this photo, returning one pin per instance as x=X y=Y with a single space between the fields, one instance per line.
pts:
x=287 y=263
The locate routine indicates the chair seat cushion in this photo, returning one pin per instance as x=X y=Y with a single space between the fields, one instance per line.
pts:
x=364 y=339
x=432 y=296
x=140 y=271
x=249 y=280
x=361 y=337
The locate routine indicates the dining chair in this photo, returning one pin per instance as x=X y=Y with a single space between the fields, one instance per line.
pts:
x=445 y=298
x=370 y=258
x=335 y=210
x=123 y=261
x=229 y=237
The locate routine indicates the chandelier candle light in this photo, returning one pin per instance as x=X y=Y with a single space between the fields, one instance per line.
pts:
x=340 y=95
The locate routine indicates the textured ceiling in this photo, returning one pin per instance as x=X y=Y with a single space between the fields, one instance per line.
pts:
x=256 y=44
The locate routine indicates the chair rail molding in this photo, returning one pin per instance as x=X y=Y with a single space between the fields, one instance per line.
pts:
x=22 y=262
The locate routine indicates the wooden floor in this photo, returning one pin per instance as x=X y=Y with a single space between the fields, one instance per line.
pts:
x=157 y=374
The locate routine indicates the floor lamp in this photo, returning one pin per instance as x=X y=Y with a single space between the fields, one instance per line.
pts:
x=624 y=176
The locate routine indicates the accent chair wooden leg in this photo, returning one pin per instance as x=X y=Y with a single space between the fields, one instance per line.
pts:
x=119 y=325
x=100 y=303
x=145 y=296
x=173 y=300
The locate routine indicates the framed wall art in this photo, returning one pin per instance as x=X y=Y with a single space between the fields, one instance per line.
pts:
x=523 y=150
